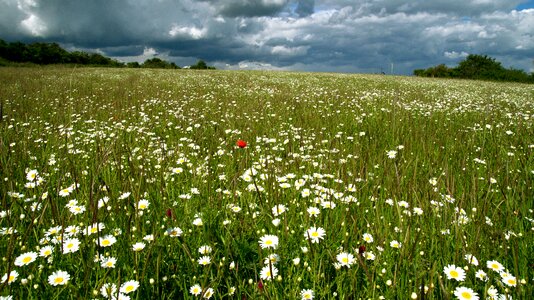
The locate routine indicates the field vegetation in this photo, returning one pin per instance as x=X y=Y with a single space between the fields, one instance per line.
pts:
x=180 y=184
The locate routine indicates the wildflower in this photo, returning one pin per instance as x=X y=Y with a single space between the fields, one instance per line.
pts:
x=279 y=209
x=345 y=259
x=268 y=272
x=124 y=195
x=509 y=280
x=418 y=211
x=368 y=237
x=177 y=170
x=108 y=290
x=369 y=255
x=204 y=260
x=241 y=144
x=46 y=251
x=71 y=245
x=328 y=204
x=72 y=230
x=204 y=249
x=108 y=262
x=395 y=244
x=96 y=227
x=12 y=277
x=208 y=293
x=106 y=241
x=198 y=222
x=143 y=204
x=272 y=259
x=471 y=259
x=59 y=278
x=25 y=259
x=454 y=272
x=313 y=211
x=306 y=294
x=77 y=209
x=129 y=286
x=392 y=154
x=404 y=204
x=481 y=275
x=32 y=175
x=138 y=246
x=174 y=232
x=269 y=241
x=195 y=290
x=463 y=293
x=315 y=234
x=65 y=192
x=493 y=293
x=495 y=265
x=276 y=222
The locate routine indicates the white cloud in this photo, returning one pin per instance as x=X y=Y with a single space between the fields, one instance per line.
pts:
x=455 y=55
x=148 y=51
x=34 y=25
x=187 y=31
x=289 y=51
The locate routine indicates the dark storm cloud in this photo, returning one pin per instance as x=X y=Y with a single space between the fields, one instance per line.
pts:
x=305 y=8
x=320 y=35
x=251 y=8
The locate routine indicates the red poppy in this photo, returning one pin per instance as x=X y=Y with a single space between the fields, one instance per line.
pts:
x=241 y=144
x=169 y=213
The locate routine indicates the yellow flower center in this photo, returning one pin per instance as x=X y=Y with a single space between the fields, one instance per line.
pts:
x=58 y=280
x=129 y=288
x=105 y=242
x=315 y=234
x=466 y=295
x=11 y=278
x=345 y=260
x=454 y=274
x=27 y=259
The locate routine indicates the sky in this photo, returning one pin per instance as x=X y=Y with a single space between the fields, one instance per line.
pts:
x=355 y=36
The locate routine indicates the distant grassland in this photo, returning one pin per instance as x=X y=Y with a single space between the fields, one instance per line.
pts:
x=128 y=183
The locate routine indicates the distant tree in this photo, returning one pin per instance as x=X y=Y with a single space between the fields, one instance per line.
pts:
x=133 y=65
x=159 y=64
x=79 y=57
x=201 y=65
x=477 y=67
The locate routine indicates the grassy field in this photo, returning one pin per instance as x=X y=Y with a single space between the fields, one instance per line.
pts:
x=155 y=184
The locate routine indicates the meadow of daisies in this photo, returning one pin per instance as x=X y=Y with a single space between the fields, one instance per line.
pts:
x=176 y=184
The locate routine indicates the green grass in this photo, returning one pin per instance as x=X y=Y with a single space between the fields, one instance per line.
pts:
x=459 y=183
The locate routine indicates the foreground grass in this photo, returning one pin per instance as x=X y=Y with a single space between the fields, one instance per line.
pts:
x=350 y=186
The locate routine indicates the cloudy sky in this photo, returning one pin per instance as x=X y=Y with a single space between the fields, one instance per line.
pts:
x=367 y=36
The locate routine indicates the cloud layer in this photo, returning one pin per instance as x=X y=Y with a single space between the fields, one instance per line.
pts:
x=311 y=35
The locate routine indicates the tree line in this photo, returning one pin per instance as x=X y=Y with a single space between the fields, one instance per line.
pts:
x=51 y=53
x=476 y=66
